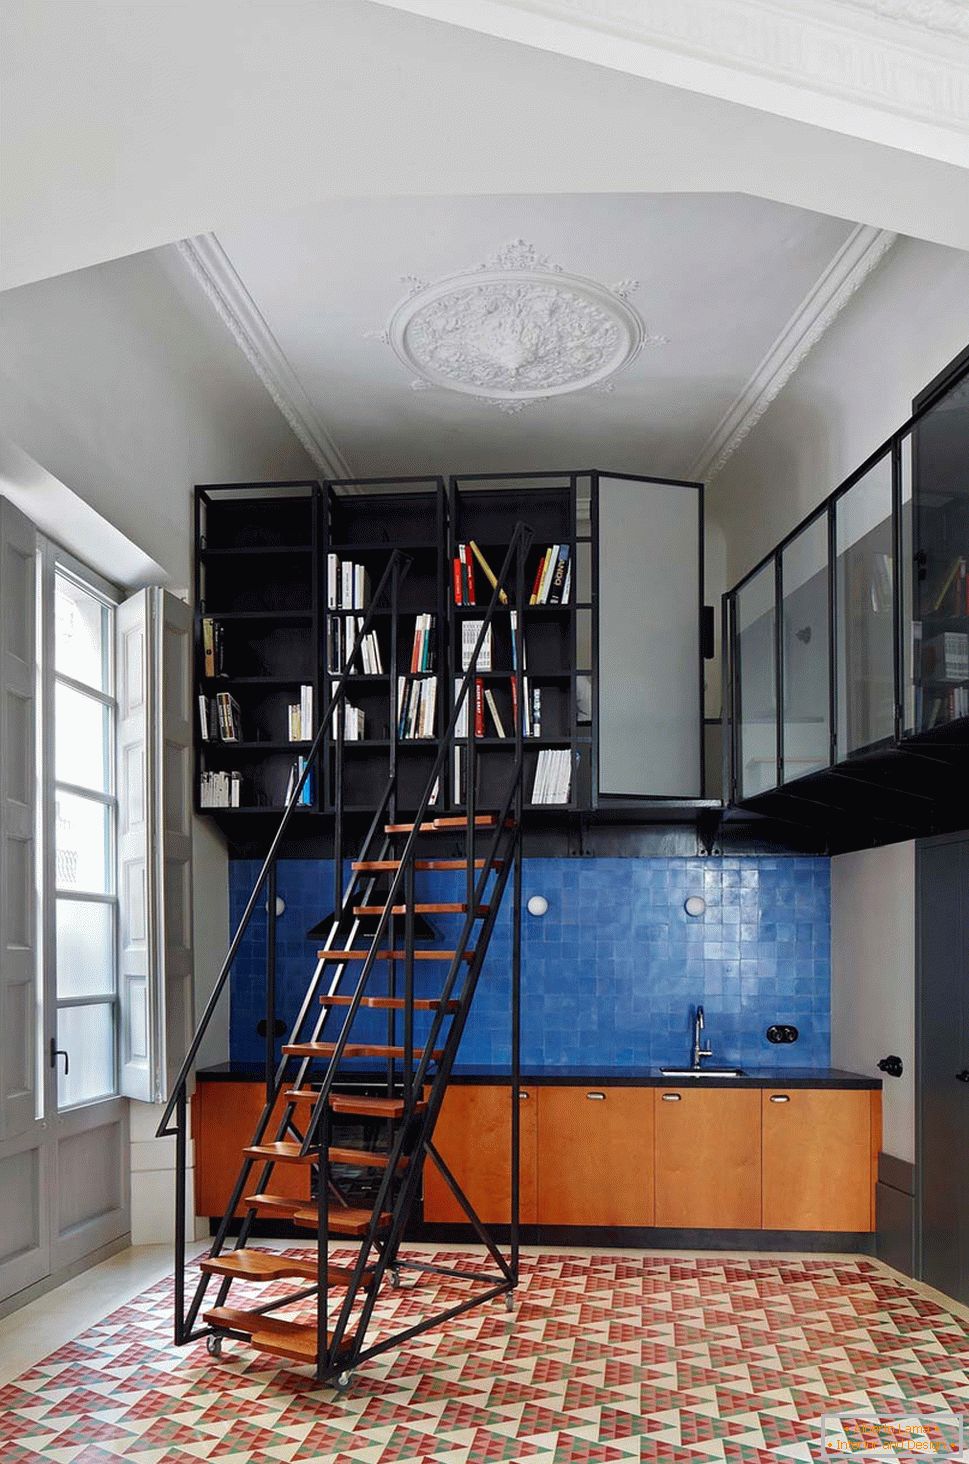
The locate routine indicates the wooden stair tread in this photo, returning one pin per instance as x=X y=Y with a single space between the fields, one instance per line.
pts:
x=392 y=955
x=354 y=1049
x=442 y=825
x=372 y=1107
x=378 y=866
x=282 y=1152
x=364 y=1158
x=392 y=1003
x=280 y=1203
x=341 y=1221
x=277 y=1335
x=257 y=1265
x=440 y=908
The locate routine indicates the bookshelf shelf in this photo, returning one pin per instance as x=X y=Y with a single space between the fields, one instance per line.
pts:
x=262 y=551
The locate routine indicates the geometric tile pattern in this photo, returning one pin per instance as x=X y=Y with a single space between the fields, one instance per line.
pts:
x=607 y=1358
x=610 y=973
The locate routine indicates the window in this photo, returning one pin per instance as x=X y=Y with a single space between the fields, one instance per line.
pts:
x=80 y=825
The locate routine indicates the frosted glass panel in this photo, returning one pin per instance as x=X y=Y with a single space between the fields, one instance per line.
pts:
x=80 y=634
x=85 y=948
x=83 y=844
x=804 y=646
x=756 y=684
x=649 y=675
x=86 y=1034
x=81 y=729
x=865 y=645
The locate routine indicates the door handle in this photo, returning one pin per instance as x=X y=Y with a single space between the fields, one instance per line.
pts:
x=522 y=1095
x=599 y=1097
x=963 y=1077
x=779 y=1098
x=56 y=1052
x=672 y=1097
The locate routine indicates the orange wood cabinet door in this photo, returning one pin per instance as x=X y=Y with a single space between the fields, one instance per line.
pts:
x=224 y=1118
x=817 y=1159
x=707 y=1158
x=473 y=1137
x=595 y=1156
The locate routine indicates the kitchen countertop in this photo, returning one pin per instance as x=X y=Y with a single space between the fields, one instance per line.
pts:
x=626 y=1077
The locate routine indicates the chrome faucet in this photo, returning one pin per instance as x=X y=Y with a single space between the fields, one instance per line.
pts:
x=699 y=1051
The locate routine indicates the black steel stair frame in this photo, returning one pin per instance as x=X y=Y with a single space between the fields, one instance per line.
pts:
x=499 y=860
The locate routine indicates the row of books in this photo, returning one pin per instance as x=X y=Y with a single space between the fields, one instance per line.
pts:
x=220 y=719
x=220 y=790
x=463 y=574
x=300 y=716
x=952 y=596
x=422 y=656
x=347 y=584
x=306 y=792
x=945 y=657
x=944 y=707
x=417 y=701
x=213 y=649
x=470 y=630
x=553 y=578
x=553 y=776
x=341 y=641
x=354 y=723
x=483 y=700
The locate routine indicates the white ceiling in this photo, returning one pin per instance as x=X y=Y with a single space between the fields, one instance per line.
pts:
x=720 y=275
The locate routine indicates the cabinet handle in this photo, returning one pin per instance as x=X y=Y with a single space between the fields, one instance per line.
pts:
x=672 y=1097
x=522 y=1095
x=599 y=1097
x=779 y=1098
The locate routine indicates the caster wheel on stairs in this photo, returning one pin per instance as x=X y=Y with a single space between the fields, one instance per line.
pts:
x=394 y=1275
x=510 y=1301
x=213 y=1346
x=343 y=1381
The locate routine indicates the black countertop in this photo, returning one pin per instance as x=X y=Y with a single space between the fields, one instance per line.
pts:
x=606 y=1077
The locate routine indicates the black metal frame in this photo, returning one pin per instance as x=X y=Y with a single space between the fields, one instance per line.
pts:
x=849 y=771
x=334 y=1352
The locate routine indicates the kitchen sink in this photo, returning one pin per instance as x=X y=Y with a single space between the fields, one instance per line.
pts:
x=704 y=1072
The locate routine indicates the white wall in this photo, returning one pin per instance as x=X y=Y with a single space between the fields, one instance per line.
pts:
x=855 y=388
x=873 y=977
x=124 y=384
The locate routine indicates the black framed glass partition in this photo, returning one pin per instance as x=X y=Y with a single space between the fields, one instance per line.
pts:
x=852 y=635
x=805 y=658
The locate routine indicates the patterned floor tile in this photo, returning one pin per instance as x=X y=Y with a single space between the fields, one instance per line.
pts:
x=610 y=1358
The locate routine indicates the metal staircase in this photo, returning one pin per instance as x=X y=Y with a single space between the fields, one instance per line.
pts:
x=355 y=975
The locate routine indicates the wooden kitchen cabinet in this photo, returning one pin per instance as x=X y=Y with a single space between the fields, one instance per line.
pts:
x=708 y=1163
x=473 y=1137
x=224 y=1118
x=595 y=1156
x=818 y=1147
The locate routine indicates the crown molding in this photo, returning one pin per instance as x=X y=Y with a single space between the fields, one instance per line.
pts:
x=861 y=253
x=863 y=67
x=217 y=276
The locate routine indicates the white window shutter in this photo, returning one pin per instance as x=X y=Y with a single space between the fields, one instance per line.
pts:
x=154 y=840
x=19 y=965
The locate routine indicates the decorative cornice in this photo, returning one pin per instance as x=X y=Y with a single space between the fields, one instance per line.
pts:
x=904 y=58
x=861 y=253
x=237 y=310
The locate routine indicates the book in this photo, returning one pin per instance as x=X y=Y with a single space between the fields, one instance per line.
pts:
x=553 y=776
x=332 y=582
x=212 y=646
x=456 y=580
x=479 y=719
x=470 y=630
x=539 y=576
x=487 y=571
x=230 y=718
x=557 y=578
x=461 y=725
x=551 y=559
x=492 y=706
x=221 y=789
x=952 y=574
x=468 y=558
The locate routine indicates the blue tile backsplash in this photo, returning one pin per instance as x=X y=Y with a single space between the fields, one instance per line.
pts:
x=610 y=973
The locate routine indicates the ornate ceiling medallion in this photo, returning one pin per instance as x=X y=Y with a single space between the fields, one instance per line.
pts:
x=516 y=330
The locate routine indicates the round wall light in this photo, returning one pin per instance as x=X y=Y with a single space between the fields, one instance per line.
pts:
x=694 y=905
x=538 y=905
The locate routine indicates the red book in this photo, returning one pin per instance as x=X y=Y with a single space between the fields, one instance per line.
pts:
x=456 y=571
x=538 y=581
x=479 y=716
x=469 y=566
x=514 y=706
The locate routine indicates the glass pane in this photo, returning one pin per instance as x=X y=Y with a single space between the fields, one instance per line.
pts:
x=83 y=844
x=804 y=647
x=80 y=634
x=863 y=583
x=82 y=740
x=85 y=948
x=86 y=1034
x=934 y=466
x=756 y=684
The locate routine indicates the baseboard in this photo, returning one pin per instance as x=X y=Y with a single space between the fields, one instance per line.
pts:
x=645 y=1238
x=66 y=1273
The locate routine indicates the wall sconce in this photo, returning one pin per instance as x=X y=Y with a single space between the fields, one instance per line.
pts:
x=280 y=906
x=538 y=905
x=695 y=905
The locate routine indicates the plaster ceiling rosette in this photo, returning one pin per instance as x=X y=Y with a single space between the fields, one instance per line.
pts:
x=516 y=330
